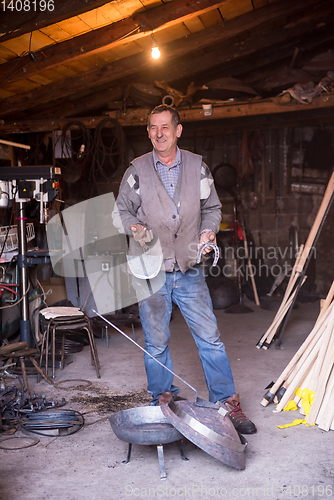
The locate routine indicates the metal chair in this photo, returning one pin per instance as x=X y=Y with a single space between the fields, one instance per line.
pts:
x=61 y=320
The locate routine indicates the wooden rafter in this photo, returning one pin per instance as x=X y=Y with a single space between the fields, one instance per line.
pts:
x=269 y=109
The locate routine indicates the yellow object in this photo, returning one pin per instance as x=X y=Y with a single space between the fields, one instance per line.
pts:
x=307 y=398
x=223 y=225
x=294 y=423
x=291 y=406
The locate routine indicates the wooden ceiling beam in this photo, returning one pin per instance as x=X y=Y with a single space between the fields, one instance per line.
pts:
x=106 y=37
x=176 y=11
x=187 y=67
x=268 y=109
x=16 y=22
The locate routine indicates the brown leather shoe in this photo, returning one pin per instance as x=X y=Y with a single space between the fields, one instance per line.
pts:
x=165 y=398
x=241 y=423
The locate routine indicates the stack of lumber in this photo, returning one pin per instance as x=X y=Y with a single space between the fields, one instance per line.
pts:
x=311 y=370
x=297 y=277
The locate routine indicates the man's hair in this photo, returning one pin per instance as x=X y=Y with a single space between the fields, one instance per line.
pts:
x=163 y=107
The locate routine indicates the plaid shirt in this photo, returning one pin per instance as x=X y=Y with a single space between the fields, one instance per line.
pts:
x=168 y=175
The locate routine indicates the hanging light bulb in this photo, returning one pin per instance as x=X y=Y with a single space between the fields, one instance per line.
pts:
x=155 y=49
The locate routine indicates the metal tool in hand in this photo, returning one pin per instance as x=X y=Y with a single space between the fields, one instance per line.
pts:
x=198 y=401
x=206 y=245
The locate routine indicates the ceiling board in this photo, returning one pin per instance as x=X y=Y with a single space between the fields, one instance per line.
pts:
x=108 y=56
x=5 y=93
x=128 y=7
x=77 y=66
x=126 y=50
x=6 y=54
x=92 y=61
x=74 y=26
x=111 y=13
x=63 y=69
x=172 y=33
x=194 y=24
x=229 y=10
x=151 y=3
x=21 y=86
x=94 y=19
x=21 y=44
x=211 y=18
x=39 y=80
x=56 y=33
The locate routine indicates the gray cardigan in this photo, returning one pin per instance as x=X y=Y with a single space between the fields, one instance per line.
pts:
x=178 y=223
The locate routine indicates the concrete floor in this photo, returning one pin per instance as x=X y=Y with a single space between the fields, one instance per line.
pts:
x=281 y=464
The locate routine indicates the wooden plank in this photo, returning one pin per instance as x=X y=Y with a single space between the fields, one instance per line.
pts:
x=77 y=66
x=210 y=18
x=126 y=50
x=74 y=26
x=25 y=22
x=326 y=411
x=111 y=13
x=170 y=34
x=21 y=86
x=126 y=7
x=21 y=44
x=94 y=19
x=194 y=24
x=40 y=80
x=4 y=94
x=56 y=33
x=323 y=378
x=229 y=10
x=138 y=117
x=5 y=55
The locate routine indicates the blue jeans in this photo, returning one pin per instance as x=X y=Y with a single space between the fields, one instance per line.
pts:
x=190 y=292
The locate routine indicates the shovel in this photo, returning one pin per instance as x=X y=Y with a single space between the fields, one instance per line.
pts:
x=198 y=401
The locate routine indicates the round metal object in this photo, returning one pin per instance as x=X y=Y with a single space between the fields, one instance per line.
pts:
x=208 y=429
x=225 y=175
x=145 y=425
x=86 y=383
x=24 y=439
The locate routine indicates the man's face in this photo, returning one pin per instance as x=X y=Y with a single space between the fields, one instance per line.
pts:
x=163 y=134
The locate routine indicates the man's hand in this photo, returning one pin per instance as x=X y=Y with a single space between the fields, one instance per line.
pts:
x=207 y=237
x=141 y=234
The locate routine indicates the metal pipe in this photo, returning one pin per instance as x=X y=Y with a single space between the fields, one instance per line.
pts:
x=25 y=334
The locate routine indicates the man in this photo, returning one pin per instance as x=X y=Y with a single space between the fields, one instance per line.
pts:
x=169 y=193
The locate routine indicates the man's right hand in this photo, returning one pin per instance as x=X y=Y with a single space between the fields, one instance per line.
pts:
x=141 y=234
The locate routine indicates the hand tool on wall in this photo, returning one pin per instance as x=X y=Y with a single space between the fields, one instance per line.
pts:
x=250 y=267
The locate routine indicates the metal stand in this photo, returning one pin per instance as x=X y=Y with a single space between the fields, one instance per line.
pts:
x=25 y=333
x=163 y=474
x=161 y=458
